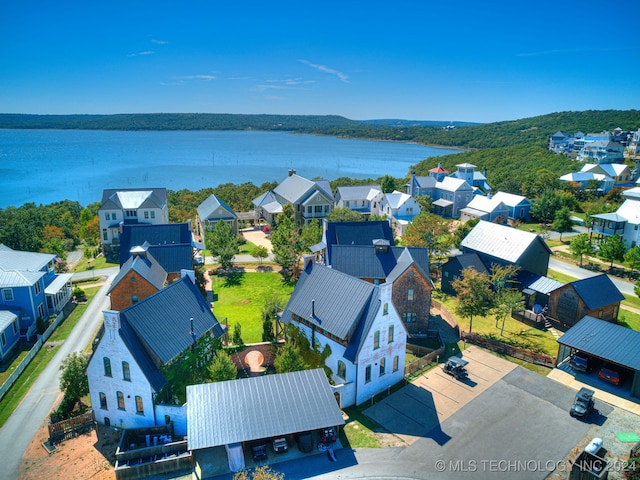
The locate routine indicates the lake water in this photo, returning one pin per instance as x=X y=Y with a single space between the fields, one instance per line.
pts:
x=46 y=166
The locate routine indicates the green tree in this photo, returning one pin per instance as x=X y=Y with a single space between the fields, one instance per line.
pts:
x=342 y=214
x=73 y=379
x=429 y=231
x=289 y=359
x=612 y=249
x=236 y=337
x=223 y=244
x=287 y=247
x=474 y=294
x=581 y=245
x=259 y=473
x=562 y=221
x=545 y=206
x=387 y=184
x=271 y=304
x=222 y=368
x=463 y=230
x=632 y=258
x=506 y=302
x=260 y=252
x=502 y=276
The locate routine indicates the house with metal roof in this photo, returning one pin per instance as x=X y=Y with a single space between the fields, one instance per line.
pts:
x=519 y=206
x=139 y=277
x=266 y=208
x=605 y=342
x=310 y=199
x=9 y=333
x=125 y=369
x=358 y=321
x=468 y=173
x=421 y=185
x=171 y=244
x=504 y=245
x=453 y=267
x=619 y=172
x=400 y=209
x=594 y=296
x=625 y=221
x=485 y=208
x=212 y=211
x=602 y=182
x=30 y=288
x=129 y=206
x=364 y=199
x=353 y=233
x=260 y=408
x=452 y=195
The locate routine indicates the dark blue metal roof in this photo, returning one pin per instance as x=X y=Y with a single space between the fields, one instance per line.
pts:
x=161 y=234
x=365 y=261
x=598 y=291
x=606 y=340
x=355 y=233
x=162 y=321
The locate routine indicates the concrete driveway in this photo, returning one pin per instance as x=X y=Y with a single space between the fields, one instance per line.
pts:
x=418 y=408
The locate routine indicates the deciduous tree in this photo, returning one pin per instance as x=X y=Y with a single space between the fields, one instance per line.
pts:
x=581 y=245
x=222 y=243
x=612 y=249
x=73 y=379
x=562 y=221
x=474 y=294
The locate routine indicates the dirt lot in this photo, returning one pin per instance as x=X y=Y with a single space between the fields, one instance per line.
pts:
x=88 y=456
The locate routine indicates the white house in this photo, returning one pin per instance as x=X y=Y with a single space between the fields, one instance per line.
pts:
x=400 y=209
x=120 y=206
x=619 y=172
x=364 y=199
x=358 y=322
x=583 y=179
x=124 y=371
x=625 y=221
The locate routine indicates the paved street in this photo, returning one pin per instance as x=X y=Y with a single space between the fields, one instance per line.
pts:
x=17 y=432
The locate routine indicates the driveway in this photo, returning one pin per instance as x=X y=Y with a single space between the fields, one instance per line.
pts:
x=433 y=397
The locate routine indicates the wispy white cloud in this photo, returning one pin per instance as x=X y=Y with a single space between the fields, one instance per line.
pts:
x=141 y=54
x=286 y=84
x=324 y=69
x=562 y=51
x=179 y=81
x=159 y=42
x=204 y=78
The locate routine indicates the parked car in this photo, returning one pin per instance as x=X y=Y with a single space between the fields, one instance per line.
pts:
x=456 y=367
x=259 y=452
x=583 y=403
x=609 y=376
x=198 y=261
x=280 y=445
x=579 y=362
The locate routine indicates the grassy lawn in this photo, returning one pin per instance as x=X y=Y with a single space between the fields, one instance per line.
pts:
x=100 y=262
x=240 y=300
x=515 y=332
x=15 y=395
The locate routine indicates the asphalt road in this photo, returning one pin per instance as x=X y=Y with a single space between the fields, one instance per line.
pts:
x=20 y=428
x=626 y=288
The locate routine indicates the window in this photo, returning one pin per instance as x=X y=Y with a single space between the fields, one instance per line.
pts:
x=318 y=209
x=342 y=369
x=104 y=234
x=385 y=309
x=396 y=362
x=130 y=213
x=376 y=339
x=367 y=374
x=446 y=274
x=347 y=205
x=103 y=401
x=134 y=298
x=107 y=216
x=383 y=364
x=7 y=293
x=390 y=337
x=120 y=397
x=146 y=214
x=4 y=339
x=41 y=311
x=107 y=366
x=409 y=317
x=153 y=214
x=37 y=287
x=126 y=373
x=15 y=327
x=410 y=294
x=139 y=406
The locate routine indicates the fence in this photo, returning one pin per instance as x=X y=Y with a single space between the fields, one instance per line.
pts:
x=506 y=349
x=422 y=362
x=8 y=383
x=71 y=427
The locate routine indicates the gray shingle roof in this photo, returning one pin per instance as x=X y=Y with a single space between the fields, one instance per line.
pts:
x=606 y=340
x=259 y=407
x=162 y=321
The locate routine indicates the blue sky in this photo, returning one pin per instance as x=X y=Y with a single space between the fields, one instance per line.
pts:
x=463 y=60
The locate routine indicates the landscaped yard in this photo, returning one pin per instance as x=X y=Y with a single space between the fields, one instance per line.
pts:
x=240 y=299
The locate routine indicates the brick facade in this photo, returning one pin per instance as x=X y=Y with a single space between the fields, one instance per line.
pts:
x=412 y=298
x=131 y=285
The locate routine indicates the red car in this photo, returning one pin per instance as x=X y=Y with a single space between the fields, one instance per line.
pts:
x=610 y=376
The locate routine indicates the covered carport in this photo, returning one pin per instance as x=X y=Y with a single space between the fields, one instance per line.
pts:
x=605 y=341
x=236 y=413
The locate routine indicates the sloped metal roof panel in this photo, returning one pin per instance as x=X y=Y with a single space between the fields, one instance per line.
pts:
x=259 y=407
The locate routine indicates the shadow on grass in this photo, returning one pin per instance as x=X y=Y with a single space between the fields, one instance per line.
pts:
x=233 y=279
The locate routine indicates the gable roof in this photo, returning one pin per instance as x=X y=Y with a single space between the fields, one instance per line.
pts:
x=354 y=233
x=358 y=192
x=207 y=209
x=364 y=261
x=137 y=235
x=335 y=302
x=16 y=278
x=132 y=198
x=11 y=259
x=485 y=204
x=408 y=258
x=511 y=199
x=295 y=188
x=468 y=260
x=428 y=181
x=144 y=265
x=452 y=184
x=598 y=291
x=606 y=340
x=500 y=241
x=162 y=321
x=537 y=283
x=263 y=407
